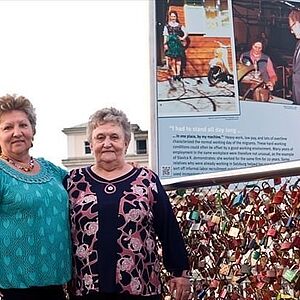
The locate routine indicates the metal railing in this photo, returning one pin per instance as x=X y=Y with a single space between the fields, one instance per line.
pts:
x=285 y=169
x=245 y=221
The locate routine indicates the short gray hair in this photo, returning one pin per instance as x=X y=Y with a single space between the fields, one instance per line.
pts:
x=13 y=102
x=106 y=115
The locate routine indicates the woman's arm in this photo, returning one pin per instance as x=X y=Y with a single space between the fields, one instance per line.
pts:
x=185 y=33
x=271 y=73
x=175 y=257
x=165 y=224
x=166 y=37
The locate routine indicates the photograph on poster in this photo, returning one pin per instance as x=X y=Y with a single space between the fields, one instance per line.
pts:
x=195 y=61
x=264 y=46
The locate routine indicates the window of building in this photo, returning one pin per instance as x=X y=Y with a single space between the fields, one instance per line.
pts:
x=194 y=2
x=141 y=147
x=87 y=149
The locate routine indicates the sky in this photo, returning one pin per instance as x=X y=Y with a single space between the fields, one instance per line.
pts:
x=71 y=58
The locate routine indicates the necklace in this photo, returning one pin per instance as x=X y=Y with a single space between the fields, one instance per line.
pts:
x=27 y=168
x=110 y=188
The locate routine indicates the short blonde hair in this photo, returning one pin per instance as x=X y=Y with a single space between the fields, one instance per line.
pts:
x=14 y=102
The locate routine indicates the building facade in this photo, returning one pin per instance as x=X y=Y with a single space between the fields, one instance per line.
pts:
x=79 y=152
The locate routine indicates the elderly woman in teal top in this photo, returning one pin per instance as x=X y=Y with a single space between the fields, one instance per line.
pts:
x=34 y=228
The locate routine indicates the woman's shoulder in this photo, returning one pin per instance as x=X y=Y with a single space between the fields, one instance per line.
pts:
x=49 y=170
x=147 y=172
x=77 y=172
x=50 y=165
x=46 y=172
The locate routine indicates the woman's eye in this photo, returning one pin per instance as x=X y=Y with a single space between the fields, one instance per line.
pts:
x=99 y=138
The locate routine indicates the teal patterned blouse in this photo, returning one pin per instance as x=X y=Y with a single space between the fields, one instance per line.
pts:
x=34 y=227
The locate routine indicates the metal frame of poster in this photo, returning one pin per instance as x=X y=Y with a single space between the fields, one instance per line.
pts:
x=215 y=105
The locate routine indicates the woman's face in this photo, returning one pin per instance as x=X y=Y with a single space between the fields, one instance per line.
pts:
x=108 y=143
x=16 y=133
x=172 y=17
x=257 y=48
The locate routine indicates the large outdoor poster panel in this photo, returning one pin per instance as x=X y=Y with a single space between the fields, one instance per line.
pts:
x=225 y=85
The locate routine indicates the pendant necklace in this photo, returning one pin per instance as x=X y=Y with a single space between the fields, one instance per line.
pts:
x=110 y=188
x=27 y=168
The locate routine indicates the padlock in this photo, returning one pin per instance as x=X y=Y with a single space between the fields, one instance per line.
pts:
x=201 y=264
x=214 y=284
x=248 y=208
x=195 y=227
x=272 y=231
x=245 y=268
x=277 y=180
x=260 y=285
x=274 y=216
x=271 y=273
x=225 y=269
x=297 y=284
x=285 y=259
x=296 y=241
x=179 y=214
x=216 y=218
x=223 y=225
x=238 y=199
x=252 y=244
x=291 y=274
x=194 y=216
x=284 y=296
x=223 y=293
x=233 y=231
x=279 y=196
x=181 y=191
x=192 y=199
x=253 y=193
x=207 y=215
x=263 y=241
x=241 y=279
x=201 y=294
x=267 y=189
x=255 y=255
x=285 y=246
x=289 y=222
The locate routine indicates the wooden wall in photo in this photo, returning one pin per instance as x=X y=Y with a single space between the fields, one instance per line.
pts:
x=200 y=49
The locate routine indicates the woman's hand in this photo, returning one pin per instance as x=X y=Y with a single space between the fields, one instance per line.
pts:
x=270 y=85
x=180 y=288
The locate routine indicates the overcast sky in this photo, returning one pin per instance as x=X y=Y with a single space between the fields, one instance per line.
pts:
x=71 y=58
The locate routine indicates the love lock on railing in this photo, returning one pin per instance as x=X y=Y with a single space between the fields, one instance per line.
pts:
x=243 y=239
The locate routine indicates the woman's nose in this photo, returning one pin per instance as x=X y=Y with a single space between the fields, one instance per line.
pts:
x=107 y=142
x=17 y=131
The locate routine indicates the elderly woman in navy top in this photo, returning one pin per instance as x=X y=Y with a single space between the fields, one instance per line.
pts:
x=35 y=242
x=117 y=212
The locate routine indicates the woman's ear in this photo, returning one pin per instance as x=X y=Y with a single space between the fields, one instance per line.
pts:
x=91 y=147
x=126 y=146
